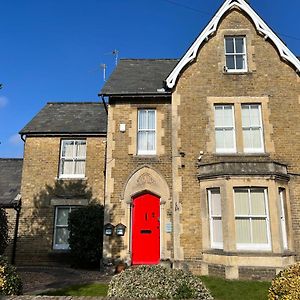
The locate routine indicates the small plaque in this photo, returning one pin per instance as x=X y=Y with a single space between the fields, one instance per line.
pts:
x=169 y=227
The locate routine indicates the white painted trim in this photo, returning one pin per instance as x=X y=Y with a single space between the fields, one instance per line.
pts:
x=260 y=25
x=283 y=219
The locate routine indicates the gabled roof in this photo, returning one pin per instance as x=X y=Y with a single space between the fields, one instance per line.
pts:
x=10 y=181
x=68 y=118
x=210 y=29
x=139 y=76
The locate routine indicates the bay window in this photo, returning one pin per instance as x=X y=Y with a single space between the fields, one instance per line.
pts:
x=252 y=219
x=215 y=218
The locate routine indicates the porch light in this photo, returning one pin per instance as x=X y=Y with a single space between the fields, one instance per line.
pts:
x=120 y=229
x=109 y=229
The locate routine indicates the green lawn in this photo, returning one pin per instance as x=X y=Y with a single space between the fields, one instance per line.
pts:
x=221 y=289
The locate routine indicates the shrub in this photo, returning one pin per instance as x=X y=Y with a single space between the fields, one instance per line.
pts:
x=86 y=235
x=3 y=231
x=10 y=281
x=157 y=282
x=286 y=284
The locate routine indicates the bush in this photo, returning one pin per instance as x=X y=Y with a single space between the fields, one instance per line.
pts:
x=10 y=281
x=86 y=235
x=3 y=231
x=286 y=284
x=157 y=282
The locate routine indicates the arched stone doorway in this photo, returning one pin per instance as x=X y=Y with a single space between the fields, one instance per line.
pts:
x=142 y=185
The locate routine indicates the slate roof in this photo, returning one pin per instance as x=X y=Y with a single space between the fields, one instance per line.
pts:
x=139 y=76
x=68 y=118
x=10 y=181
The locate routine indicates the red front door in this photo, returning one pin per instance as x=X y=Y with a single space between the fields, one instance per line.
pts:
x=145 y=230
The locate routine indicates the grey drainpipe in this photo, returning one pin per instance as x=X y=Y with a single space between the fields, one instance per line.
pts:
x=104 y=172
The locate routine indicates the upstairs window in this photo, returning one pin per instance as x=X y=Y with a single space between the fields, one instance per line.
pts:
x=146 y=135
x=225 y=129
x=235 y=54
x=72 y=159
x=252 y=128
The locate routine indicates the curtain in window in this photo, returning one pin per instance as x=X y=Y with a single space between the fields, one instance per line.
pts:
x=252 y=127
x=146 y=131
x=61 y=230
x=73 y=157
x=215 y=214
x=224 y=128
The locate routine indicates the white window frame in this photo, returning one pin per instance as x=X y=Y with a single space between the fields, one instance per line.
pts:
x=146 y=152
x=212 y=217
x=60 y=246
x=234 y=54
x=74 y=158
x=260 y=127
x=282 y=212
x=224 y=128
x=254 y=246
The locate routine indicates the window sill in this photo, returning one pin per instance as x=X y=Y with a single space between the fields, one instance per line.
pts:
x=249 y=253
x=57 y=251
x=243 y=154
x=237 y=73
x=71 y=178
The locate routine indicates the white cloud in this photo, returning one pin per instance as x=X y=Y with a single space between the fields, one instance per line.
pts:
x=15 y=139
x=3 y=101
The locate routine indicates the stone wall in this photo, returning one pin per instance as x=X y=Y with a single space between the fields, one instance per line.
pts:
x=42 y=190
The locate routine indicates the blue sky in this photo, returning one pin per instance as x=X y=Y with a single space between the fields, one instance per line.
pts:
x=51 y=50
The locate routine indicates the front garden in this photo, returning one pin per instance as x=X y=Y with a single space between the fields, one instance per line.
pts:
x=221 y=289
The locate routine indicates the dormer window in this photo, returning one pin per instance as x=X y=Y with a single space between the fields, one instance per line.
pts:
x=235 y=54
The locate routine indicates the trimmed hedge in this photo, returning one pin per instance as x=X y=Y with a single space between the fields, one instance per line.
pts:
x=10 y=281
x=286 y=284
x=3 y=231
x=86 y=235
x=157 y=282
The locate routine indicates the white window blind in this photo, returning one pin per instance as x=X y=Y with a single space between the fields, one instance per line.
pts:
x=146 y=132
x=252 y=128
x=215 y=218
x=225 y=129
x=252 y=219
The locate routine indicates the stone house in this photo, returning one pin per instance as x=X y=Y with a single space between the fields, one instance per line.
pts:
x=63 y=168
x=200 y=163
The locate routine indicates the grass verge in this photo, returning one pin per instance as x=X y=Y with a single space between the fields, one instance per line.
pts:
x=223 y=289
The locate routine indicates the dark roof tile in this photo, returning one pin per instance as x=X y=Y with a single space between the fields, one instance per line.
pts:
x=10 y=180
x=68 y=117
x=139 y=76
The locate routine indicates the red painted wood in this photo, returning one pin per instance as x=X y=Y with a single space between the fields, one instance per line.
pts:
x=145 y=230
